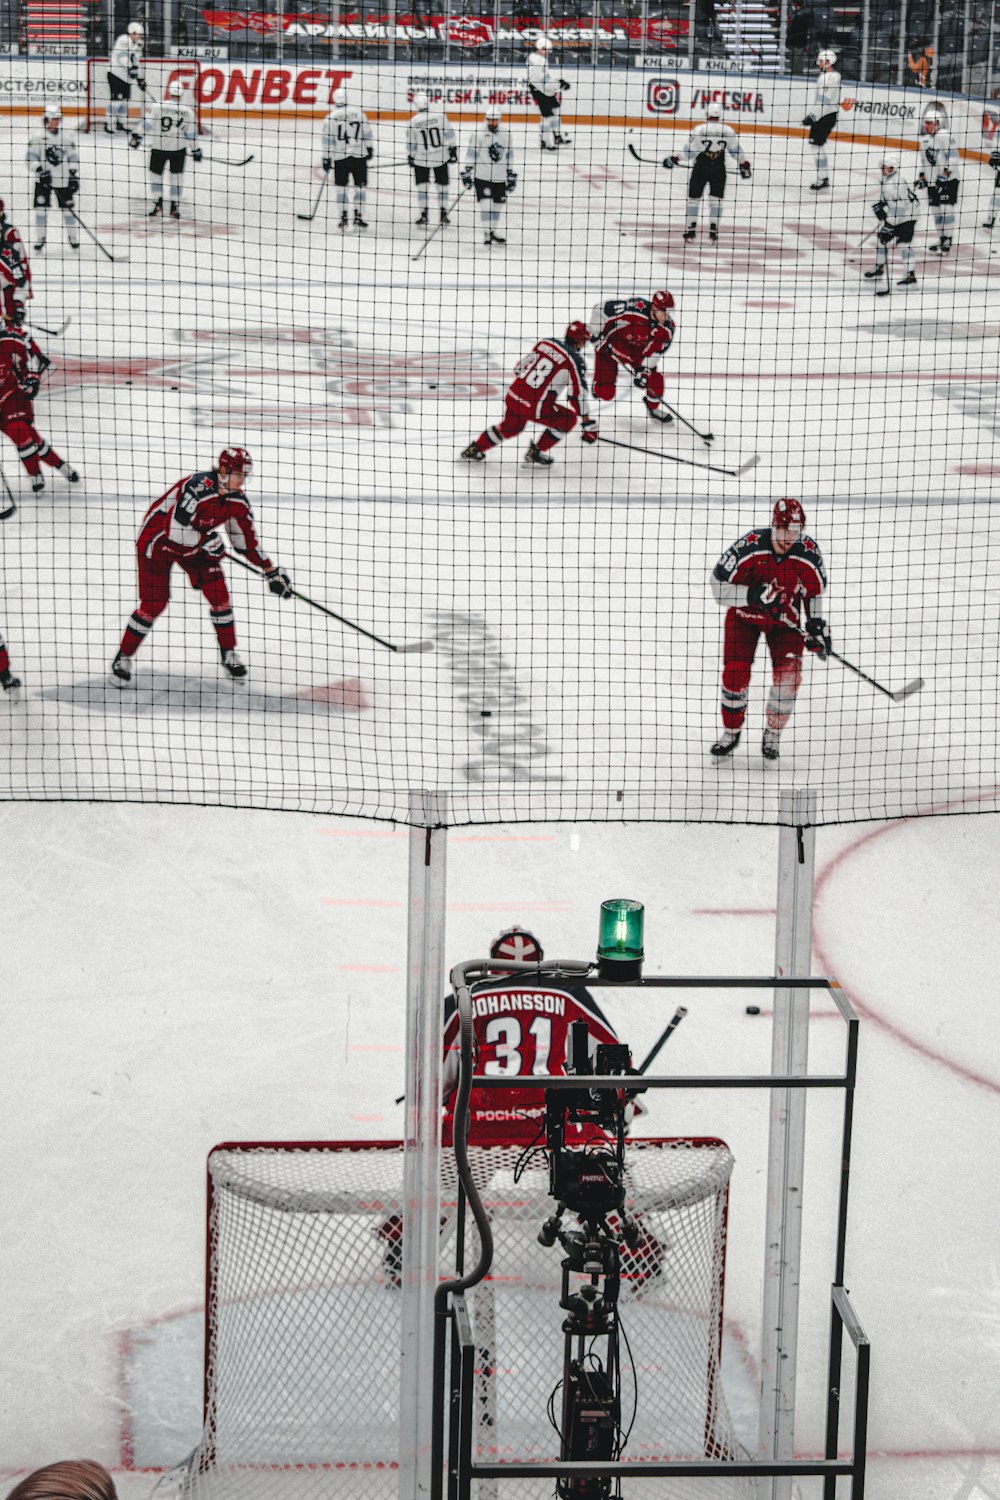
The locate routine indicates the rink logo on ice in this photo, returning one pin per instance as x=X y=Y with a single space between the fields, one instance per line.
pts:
x=662 y=96
x=514 y=747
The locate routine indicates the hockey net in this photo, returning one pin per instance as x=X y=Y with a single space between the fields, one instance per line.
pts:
x=303 y=1315
x=159 y=73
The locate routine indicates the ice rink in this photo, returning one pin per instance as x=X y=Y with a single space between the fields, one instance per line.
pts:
x=184 y=975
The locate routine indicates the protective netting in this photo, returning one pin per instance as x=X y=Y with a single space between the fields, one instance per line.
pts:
x=304 y=1316
x=288 y=284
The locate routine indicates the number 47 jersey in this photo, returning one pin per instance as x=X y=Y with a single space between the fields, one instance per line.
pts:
x=521 y=1029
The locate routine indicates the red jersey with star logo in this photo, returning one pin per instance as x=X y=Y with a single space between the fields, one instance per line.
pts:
x=798 y=575
x=176 y=525
x=624 y=328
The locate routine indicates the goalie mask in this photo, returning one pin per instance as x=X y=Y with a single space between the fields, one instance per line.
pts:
x=517 y=946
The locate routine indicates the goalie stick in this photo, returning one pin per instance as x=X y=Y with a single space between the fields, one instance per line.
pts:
x=687 y=462
x=408 y=646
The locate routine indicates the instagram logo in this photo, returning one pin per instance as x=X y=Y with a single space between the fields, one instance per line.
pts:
x=661 y=96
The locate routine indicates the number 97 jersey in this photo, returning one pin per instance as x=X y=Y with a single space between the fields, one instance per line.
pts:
x=521 y=1031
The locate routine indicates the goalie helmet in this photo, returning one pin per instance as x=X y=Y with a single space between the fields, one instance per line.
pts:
x=826 y=59
x=235 y=461
x=788 y=512
x=420 y=101
x=662 y=301
x=932 y=123
x=713 y=112
x=517 y=946
x=577 y=334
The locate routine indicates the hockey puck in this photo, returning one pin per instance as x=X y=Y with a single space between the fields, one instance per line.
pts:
x=432 y=385
x=486 y=713
x=753 y=1010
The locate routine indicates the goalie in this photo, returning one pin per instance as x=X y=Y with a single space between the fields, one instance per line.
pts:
x=521 y=1029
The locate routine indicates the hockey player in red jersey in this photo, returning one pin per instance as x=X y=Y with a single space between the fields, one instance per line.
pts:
x=521 y=1028
x=8 y=681
x=15 y=272
x=632 y=333
x=180 y=528
x=549 y=387
x=767 y=582
x=22 y=365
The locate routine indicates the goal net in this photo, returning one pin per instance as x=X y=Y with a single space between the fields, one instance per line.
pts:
x=303 y=1314
x=159 y=73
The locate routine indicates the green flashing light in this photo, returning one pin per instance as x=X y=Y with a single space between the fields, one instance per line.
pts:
x=619 y=945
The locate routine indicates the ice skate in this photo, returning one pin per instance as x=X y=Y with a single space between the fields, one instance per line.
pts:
x=74 y=244
x=535 y=455
x=878 y=271
x=817 y=187
x=563 y=140
x=659 y=414
x=495 y=239
x=769 y=744
x=989 y=223
x=156 y=209
x=175 y=210
x=121 y=670
x=689 y=232
x=37 y=483
x=359 y=222
x=108 y=129
x=444 y=219
x=68 y=472
x=909 y=279
x=475 y=454
x=233 y=664
x=9 y=682
x=546 y=147
x=713 y=232
x=343 y=220
x=423 y=219
x=40 y=243
x=726 y=743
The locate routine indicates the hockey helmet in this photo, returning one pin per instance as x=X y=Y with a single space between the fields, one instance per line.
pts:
x=339 y=95
x=493 y=115
x=890 y=164
x=235 y=461
x=932 y=122
x=135 y=31
x=662 y=301
x=177 y=90
x=543 y=44
x=517 y=946
x=826 y=59
x=788 y=512
x=52 y=112
x=3 y=212
x=420 y=101
x=714 y=111
x=577 y=334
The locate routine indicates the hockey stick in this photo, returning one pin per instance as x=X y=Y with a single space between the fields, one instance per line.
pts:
x=10 y=507
x=315 y=207
x=897 y=697
x=706 y=437
x=225 y=161
x=449 y=210
x=651 y=1055
x=687 y=462
x=648 y=161
x=409 y=646
x=54 y=333
x=88 y=231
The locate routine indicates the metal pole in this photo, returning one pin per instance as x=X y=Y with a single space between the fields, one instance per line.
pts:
x=783 y=38
x=966 y=45
x=692 y=29
x=932 y=73
x=281 y=30
x=644 y=28
x=595 y=17
x=422 y=1146
x=901 y=63
x=990 y=41
x=391 y=24
x=863 y=69
x=786 y=1147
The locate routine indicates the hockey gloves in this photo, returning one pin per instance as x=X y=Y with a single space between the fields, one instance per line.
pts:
x=818 y=637
x=744 y=169
x=880 y=211
x=135 y=141
x=370 y=152
x=640 y=379
x=196 y=153
x=453 y=153
x=809 y=120
x=328 y=164
x=511 y=181
x=886 y=233
x=670 y=162
x=72 y=187
x=995 y=160
x=213 y=545
x=279 y=583
x=590 y=433
x=466 y=177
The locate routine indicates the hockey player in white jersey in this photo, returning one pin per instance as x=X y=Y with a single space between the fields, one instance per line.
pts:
x=348 y=147
x=169 y=130
x=708 y=145
x=124 y=70
x=822 y=115
x=995 y=201
x=939 y=175
x=55 y=162
x=897 y=211
x=547 y=89
x=489 y=168
x=431 y=146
